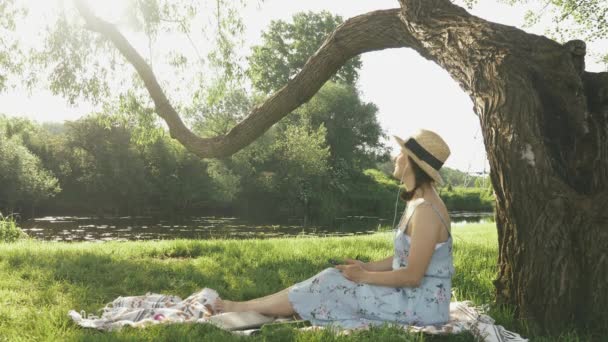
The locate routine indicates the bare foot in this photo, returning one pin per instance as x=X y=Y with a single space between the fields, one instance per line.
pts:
x=228 y=306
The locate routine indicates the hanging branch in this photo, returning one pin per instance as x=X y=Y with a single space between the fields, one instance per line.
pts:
x=373 y=31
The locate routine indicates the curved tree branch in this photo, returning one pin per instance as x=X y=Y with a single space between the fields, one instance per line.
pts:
x=373 y=31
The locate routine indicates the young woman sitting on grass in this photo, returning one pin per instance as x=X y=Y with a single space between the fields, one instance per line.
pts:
x=412 y=286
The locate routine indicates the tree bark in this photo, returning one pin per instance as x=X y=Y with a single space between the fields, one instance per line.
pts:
x=544 y=126
x=544 y=123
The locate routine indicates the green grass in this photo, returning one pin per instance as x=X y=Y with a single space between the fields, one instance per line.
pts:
x=41 y=281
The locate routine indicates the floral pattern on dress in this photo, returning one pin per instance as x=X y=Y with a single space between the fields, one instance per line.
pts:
x=330 y=298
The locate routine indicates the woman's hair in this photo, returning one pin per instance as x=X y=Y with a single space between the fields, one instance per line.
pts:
x=420 y=178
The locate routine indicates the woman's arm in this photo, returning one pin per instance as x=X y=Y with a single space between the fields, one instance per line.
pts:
x=424 y=236
x=381 y=265
x=397 y=278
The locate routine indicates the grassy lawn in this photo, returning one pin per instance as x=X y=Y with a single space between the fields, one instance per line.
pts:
x=41 y=281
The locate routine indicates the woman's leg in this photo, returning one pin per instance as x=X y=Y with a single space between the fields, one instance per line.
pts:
x=276 y=304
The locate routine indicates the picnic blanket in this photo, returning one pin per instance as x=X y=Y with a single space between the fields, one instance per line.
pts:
x=153 y=308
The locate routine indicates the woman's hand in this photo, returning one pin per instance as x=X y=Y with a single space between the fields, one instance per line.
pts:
x=355 y=262
x=353 y=271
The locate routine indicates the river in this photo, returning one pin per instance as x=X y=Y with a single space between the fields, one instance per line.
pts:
x=70 y=228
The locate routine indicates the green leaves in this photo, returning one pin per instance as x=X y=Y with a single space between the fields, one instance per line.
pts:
x=287 y=46
x=574 y=19
x=64 y=56
x=75 y=61
x=304 y=149
x=23 y=179
x=226 y=182
x=353 y=130
x=570 y=19
x=9 y=232
x=11 y=54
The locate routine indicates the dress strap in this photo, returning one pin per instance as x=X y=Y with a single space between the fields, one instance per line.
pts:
x=441 y=218
x=408 y=217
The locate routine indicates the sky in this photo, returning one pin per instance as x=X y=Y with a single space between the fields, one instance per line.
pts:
x=410 y=92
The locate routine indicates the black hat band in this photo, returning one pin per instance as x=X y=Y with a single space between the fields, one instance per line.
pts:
x=423 y=154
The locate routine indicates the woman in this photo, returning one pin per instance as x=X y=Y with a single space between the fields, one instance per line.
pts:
x=413 y=286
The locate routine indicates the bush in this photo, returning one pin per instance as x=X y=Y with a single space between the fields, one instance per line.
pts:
x=374 y=193
x=468 y=199
x=9 y=232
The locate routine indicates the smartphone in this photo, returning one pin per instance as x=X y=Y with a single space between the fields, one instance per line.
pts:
x=342 y=262
x=336 y=262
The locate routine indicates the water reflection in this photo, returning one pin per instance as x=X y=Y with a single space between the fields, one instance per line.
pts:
x=206 y=227
x=467 y=217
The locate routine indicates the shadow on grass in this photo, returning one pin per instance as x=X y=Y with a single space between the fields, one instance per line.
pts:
x=89 y=280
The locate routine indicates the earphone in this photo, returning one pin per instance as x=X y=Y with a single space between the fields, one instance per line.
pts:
x=397 y=201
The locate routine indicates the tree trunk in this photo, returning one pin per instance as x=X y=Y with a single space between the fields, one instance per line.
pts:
x=544 y=124
x=544 y=127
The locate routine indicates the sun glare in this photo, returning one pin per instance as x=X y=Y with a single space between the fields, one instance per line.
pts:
x=111 y=10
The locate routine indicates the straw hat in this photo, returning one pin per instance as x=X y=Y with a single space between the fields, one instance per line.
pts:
x=428 y=150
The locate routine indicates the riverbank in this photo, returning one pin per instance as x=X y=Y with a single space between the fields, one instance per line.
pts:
x=41 y=281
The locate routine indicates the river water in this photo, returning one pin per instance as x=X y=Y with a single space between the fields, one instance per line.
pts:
x=205 y=227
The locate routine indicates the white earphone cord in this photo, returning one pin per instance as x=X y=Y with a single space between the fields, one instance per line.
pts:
x=397 y=202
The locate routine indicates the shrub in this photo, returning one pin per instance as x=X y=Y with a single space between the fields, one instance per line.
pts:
x=468 y=199
x=9 y=232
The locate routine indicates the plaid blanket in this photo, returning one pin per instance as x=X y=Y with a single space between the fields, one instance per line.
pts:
x=153 y=308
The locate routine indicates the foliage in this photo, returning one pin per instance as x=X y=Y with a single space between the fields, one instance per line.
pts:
x=23 y=179
x=70 y=60
x=571 y=19
x=353 y=131
x=215 y=111
x=468 y=199
x=102 y=167
x=107 y=170
x=353 y=138
x=304 y=163
x=120 y=175
x=76 y=61
x=586 y=19
x=11 y=54
x=9 y=232
x=227 y=183
x=310 y=165
x=287 y=46
x=454 y=177
x=374 y=193
x=177 y=181
x=302 y=148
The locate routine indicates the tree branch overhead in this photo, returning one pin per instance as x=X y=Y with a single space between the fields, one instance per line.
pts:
x=369 y=32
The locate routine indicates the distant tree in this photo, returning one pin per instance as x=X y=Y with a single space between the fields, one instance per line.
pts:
x=176 y=180
x=23 y=180
x=353 y=130
x=106 y=169
x=287 y=46
x=304 y=154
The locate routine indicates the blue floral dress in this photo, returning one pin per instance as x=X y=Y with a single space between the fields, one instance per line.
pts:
x=330 y=298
